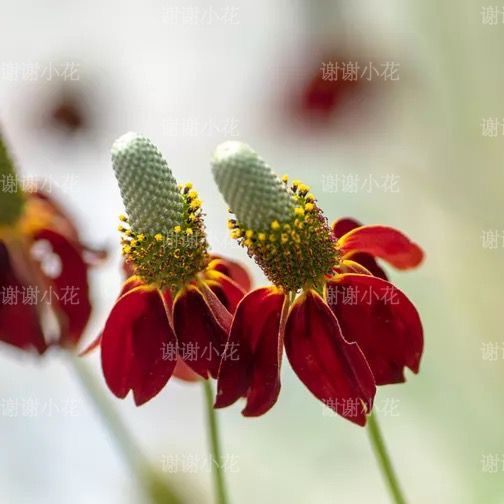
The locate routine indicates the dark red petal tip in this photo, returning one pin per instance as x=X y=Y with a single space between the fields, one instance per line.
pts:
x=251 y=364
x=384 y=242
x=138 y=347
x=334 y=370
x=382 y=320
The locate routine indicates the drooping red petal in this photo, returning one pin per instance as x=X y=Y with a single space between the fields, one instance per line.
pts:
x=368 y=262
x=251 y=365
x=333 y=369
x=71 y=288
x=129 y=284
x=201 y=330
x=40 y=203
x=138 y=347
x=19 y=318
x=349 y=266
x=183 y=372
x=342 y=226
x=233 y=270
x=382 y=320
x=384 y=242
x=227 y=290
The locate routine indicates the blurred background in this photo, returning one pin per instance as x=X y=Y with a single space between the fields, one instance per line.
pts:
x=391 y=110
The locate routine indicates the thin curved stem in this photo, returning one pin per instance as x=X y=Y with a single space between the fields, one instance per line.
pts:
x=215 y=445
x=384 y=460
x=151 y=481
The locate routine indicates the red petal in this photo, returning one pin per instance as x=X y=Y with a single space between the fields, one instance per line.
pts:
x=383 y=242
x=368 y=262
x=135 y=346
x=183 y=372
x=233 y=270
x=228 y=291
x=382 y=320
x=251 y=365
x=342 y=226
x=39 y=202
x=71 y=286
x=349 y=266
x=19 y=321
x=201 y=330
x=334 y=370
x=131 y=283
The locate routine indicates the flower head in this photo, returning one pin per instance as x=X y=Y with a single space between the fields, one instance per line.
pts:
x=174 y=311
x=163 y=234
x=43 y=268
x=279 y=223
x=341 y=332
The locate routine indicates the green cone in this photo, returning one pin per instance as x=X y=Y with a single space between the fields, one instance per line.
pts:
x=148 y=189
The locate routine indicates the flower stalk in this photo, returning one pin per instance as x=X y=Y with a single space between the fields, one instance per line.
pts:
x=215 y=445
x=384 y=461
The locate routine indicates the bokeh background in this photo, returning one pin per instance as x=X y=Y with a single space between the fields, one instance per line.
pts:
x=415 y=141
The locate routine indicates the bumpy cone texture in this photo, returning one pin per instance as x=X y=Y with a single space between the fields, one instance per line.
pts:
x=148 y=189
x=11 y=197
x=253 y=192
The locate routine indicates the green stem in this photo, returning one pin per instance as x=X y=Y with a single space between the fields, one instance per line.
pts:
x=384 y=461
x=213 y=432
x=150 y=480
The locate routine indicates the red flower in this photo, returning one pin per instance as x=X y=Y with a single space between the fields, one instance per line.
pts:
x=320 y=333
x=344 y=330
x=151 y=335
x=43 y=272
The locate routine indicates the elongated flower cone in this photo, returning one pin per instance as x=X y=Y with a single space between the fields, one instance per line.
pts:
x=148 y=189
x=256 y=195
